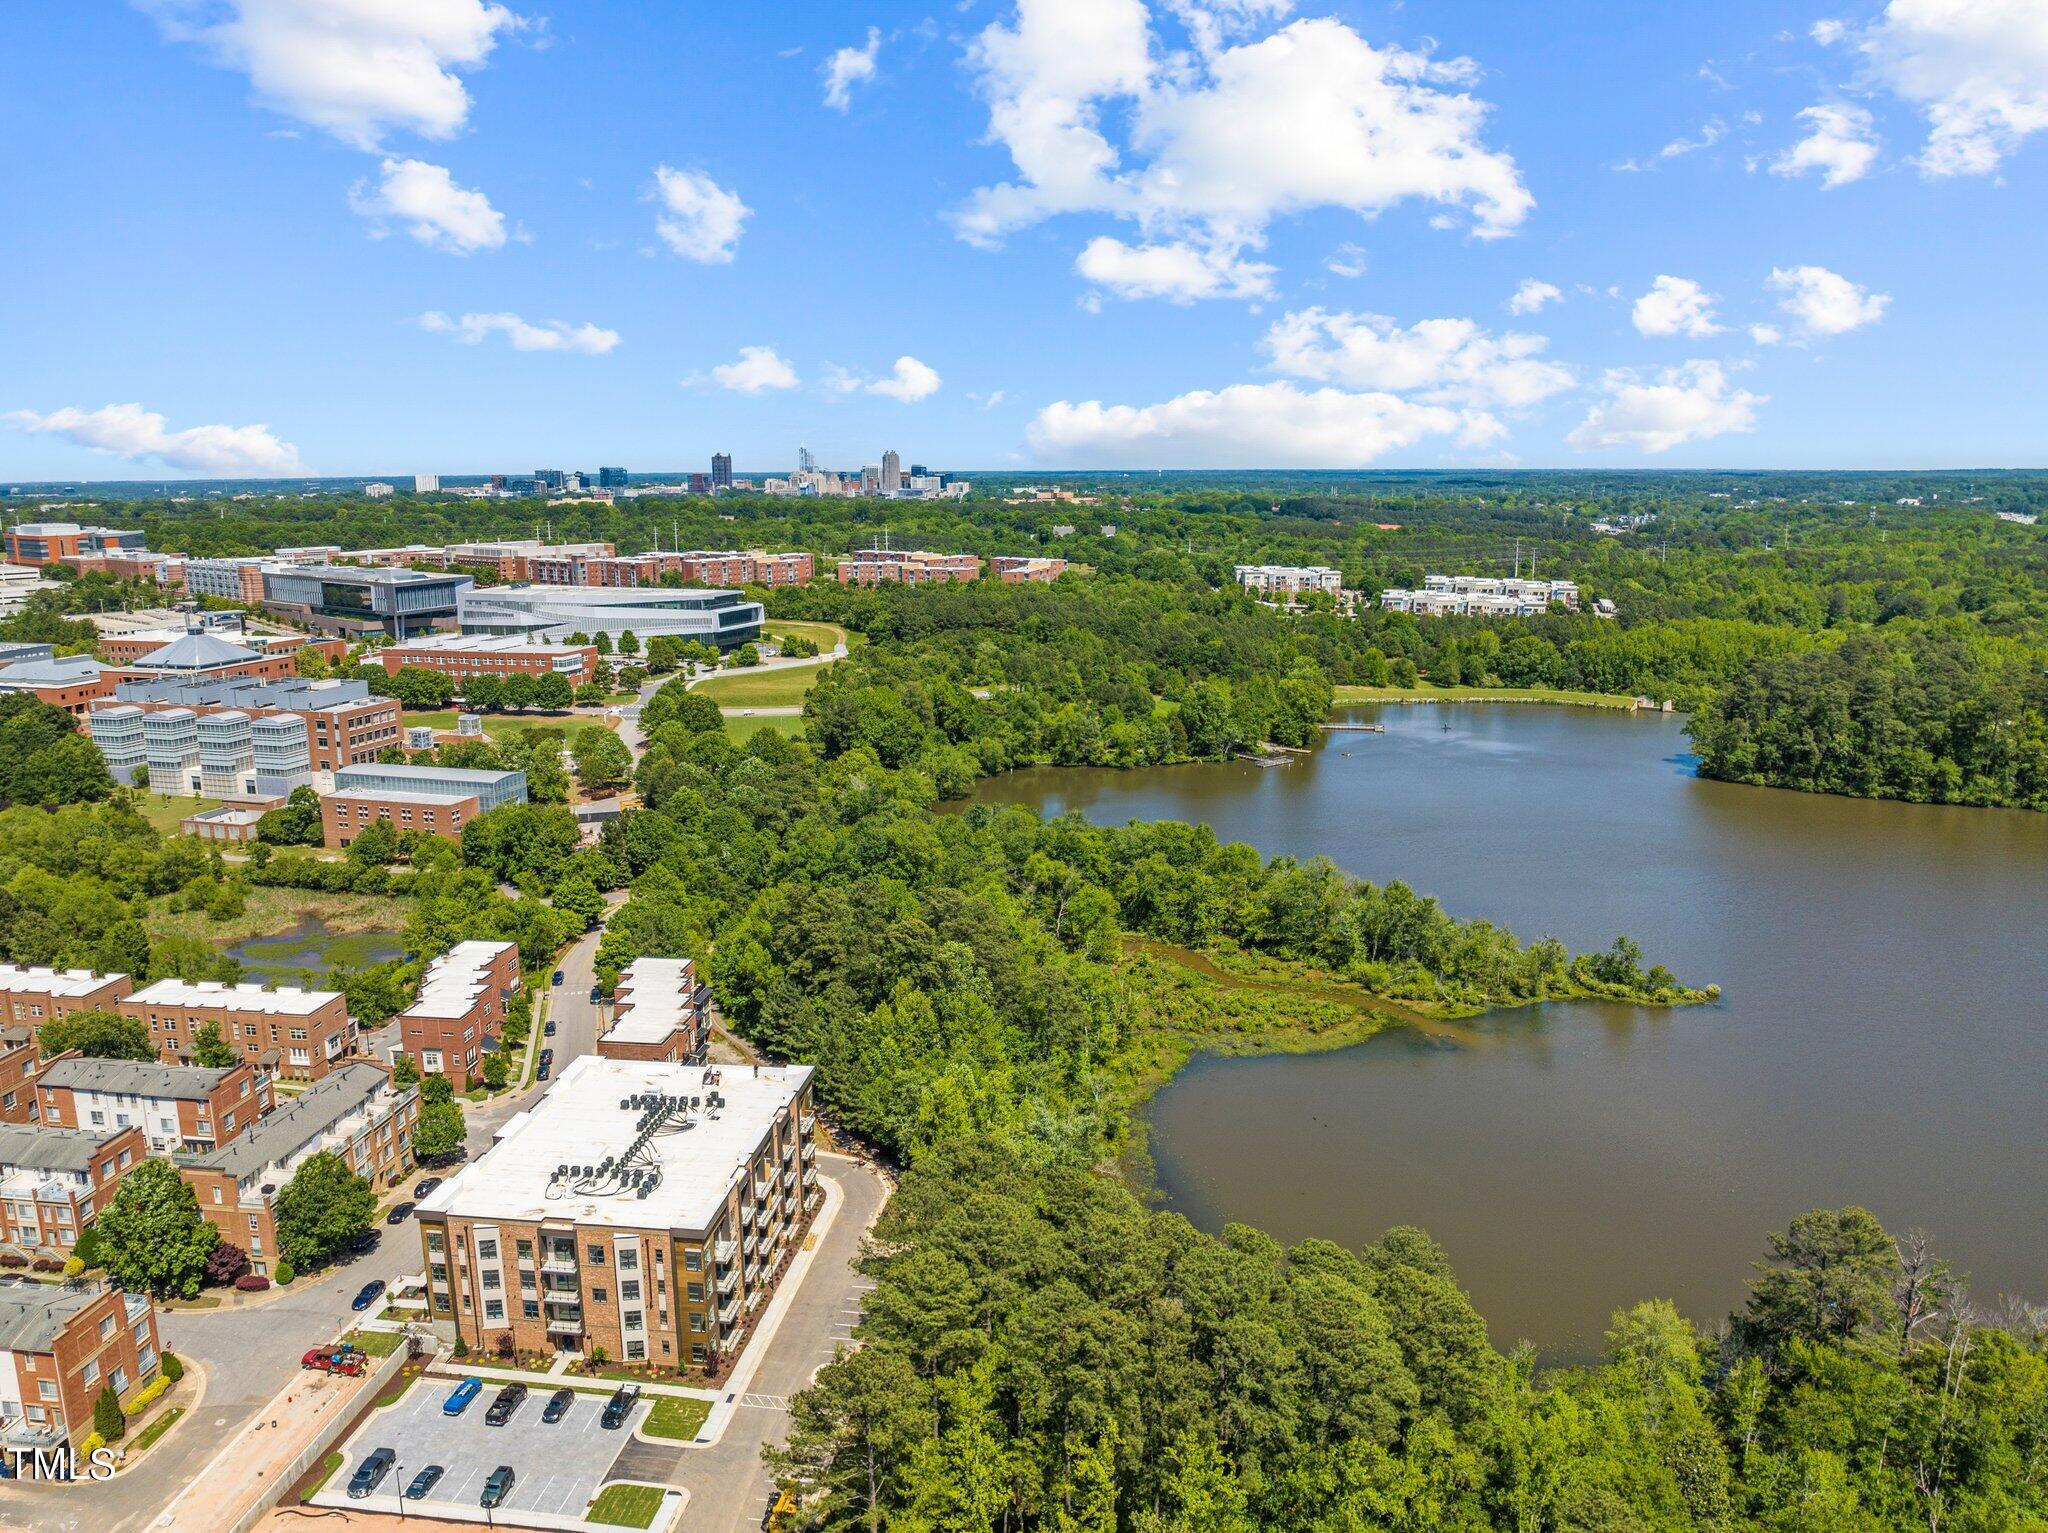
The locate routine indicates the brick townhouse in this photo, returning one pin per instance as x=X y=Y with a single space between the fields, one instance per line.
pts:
x=460 y=1014
x=60 y=1345
x=29 y=997
x=301 y=1033
x=177 y=1107
x=20 y=1058
x=54 y=1182
x=661 y=1011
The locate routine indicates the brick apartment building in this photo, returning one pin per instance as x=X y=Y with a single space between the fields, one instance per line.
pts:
x=436 y=800
x=355 y=1112
x=514 y=562
x=54 y=1182
x=906 y=566
x=481 y=654
x=59 y=1347
x=29 y=997
x=460 y=1014
x=298 y=1034
x=703 y=568
x=642 y=1208
x=20 y=1058
x=661 y=1011
x=1013 y=569
x=177 y=1107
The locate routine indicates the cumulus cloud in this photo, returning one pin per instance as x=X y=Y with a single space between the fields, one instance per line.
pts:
x=434 y=210
x=1531 y=296
x=1348 y=260
x=1840 y=143
x=1976 y=69
x=849 y=67
x=1206 y=149
x=1828 y=31
x=1440 y=361
x=698 y=219
x=758 y=371
x=908 y=382
x=1766 y=335
x=1249 y=425
x=554 y=335
x=1675 y=306
x=1825 y=302
x=129 y=431
x=1677 y=405
x=356 y=70
x=1175 y=271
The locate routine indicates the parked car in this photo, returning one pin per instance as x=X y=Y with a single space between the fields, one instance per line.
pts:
x=547 y=1056
x=620 y=1406
x=558 y=1405
x=497 y=1487
x=548 y=1028
x=400 y=1214
x=504 y=1405
x=423 y=1482
x=460 y=1396
x=364 y=1243
x=367 y=1295
x=370 y=1471
x=558 y=976
x=425 y=1185
x=342 y=1359
x=596 y=994
x=543 y=1072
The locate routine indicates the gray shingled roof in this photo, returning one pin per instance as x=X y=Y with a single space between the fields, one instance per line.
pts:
x=313 y=1111
x=197 y=651
x=33 y=1314
x=52 y=1149
x=184 y=1083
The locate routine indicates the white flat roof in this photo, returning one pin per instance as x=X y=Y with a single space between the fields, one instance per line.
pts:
x=486 y=644
x=51 y=982
x=283 y=1001
x=580 y=1122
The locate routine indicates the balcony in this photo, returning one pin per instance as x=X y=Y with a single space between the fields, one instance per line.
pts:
x=752 y=1245
x=729 y=1314
x=728 y=1279
x=724 y=1251
x=789 y=1176
x=810 y=1124
x=811 y=1179
x=559 y=1263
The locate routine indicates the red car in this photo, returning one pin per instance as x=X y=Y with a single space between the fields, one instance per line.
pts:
x=334 y=1360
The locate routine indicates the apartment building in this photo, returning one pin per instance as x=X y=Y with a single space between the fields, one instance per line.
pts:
x=60 y=1345
x=1013 y=569
x=460 y=1014
x=481 y=654
x=71 y=682
x=905 y=566
x=61 y=542
x=513 y=562
x=20 y=1058
x=355 y=1112
x=237 y=579
x=29 y=997
x=1289 y=580
x=54 y=1182
x=643 y=1208
x=661 y=1011
x=239 y=736
x=703 y=567
x=1481 y=596
x=177 y=1107
x=436 y=800
x=298 y=1034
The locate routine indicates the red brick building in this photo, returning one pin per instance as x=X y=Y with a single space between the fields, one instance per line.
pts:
x=29 y=997
x=301 y=1033
x=59 y=1347
x=177 y=1107
x=19 y=1060
x=71 y=682
x=476 y=654
x=906 y=566
x=702 y=567
x=436 y=800
x=1014 y=568
x=460 y=1014
x=54 y=1182
x=41 y=543
x=661 y=1011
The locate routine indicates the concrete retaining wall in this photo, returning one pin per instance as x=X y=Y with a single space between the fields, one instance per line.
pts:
x=329 y=1436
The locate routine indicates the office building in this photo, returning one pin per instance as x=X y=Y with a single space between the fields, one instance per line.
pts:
x=1481 y=596
x=60 y=1346
x=611 y=478
x=1014 y=568
x=426 y=484
x=349 y=601
x=355 y=1113
x=700 y=484
x=20 y=1059
x=463 y=655
x=71 y=682
x=724 y=619
x=905 y=566
x=377 y=489
x=437 y=801
x=54 y=1182
x=61 y=542
x=892 y=472
x=460 y=1014
x=29 y=997
x=298 y=1034
x=1287 y=580
x=661 y=1011
x=642 y=1208
x=177 y=1107
x=721 y=471
x=239 y=737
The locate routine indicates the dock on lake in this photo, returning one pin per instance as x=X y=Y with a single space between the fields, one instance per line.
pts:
x=1360 y=729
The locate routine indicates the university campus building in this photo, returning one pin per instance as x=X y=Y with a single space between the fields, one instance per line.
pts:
x=463 y=655
x=905 y=566
x=239 y=737
x=436 y=800
x=351 y=601
x=549 y=614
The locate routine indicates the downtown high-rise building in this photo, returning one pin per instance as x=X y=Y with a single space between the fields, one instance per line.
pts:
x=721 y=471
x=611 y=479
x=892 y=472
x=425 y=484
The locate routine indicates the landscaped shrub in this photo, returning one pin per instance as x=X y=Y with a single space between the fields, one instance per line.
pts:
x=149 y=1392
x=107 y=1419
x=252 y=1282
x=173 y=1366
x=73 y=1267
x=47 y=1264
x=285 y=1273
x=12 y=1259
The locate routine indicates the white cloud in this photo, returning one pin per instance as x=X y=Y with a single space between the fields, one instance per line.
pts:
x=434 y=210
x=1766 y=335
x=1828 y=31
x=1977 y=70
x=849 y=67
x=1206 y=149
x=699 y=219
x=1249 y=425
x=910 y=381
x=1679 y=404
x=1441 y=361
x=995 y=398
x=1711 y=133
x=1840 y=143
x=129 y=431
x=554 y=335
x=1531 y=296
x=758 y=371
x=1676 y=306
x=353 y=68
x=1825 y=302
x=1348 y=260
x=1175 y=271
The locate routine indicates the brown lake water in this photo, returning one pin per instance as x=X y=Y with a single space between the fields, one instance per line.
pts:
x=1882 y=1038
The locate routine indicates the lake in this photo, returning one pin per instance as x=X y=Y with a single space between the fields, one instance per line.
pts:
x=304 y=955
x=1882 y=1038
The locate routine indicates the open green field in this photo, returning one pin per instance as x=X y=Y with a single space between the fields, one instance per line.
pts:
x=676 y=1416
x=740 y=730
x=625 y=1506
x=781 y=688
x=500 y=725
x=1430 y=694
x=828 y=636
x=165 y=812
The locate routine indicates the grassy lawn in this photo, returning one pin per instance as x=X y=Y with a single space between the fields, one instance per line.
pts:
x=828 y=636
x=676 y=1417
x=1433 y=694
x=376 y=1343
x=161 y=1425
x=760 y=689
x=740 y=731
x=164 y=812
x=269 y=910
x=498 y=726
x=625 y=1506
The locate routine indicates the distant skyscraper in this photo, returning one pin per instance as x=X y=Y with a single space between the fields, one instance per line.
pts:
x=611 y=479
x=700 y=484
x=550 y=478
x=892 y=472
x=805 y=462
x=870 y=479
x=721 y=471
x=918 y=471
x=425 y=484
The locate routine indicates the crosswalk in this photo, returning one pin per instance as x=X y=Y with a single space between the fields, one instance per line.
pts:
x=765 y=1402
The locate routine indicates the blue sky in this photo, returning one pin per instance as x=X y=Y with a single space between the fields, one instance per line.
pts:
x=359 y=236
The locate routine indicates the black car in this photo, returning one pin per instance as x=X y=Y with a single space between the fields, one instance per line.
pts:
x=423 y=1482
x=497 y=1487
x=547 y=1056
x=504 y=1405
x=367 y=1295
x=558 y=1405
x=399 y=1214
x=548 y=1028
x=542 y=1073
x=596 y=994
x=363 y=1244
x=425 y=1185
x=620 y=1406
x=370 y=1471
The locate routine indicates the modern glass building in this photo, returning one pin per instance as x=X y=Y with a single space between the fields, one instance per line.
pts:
x=333 y=598
x=725 y=619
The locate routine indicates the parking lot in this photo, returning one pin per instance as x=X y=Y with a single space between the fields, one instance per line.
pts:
x=560 y=1468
